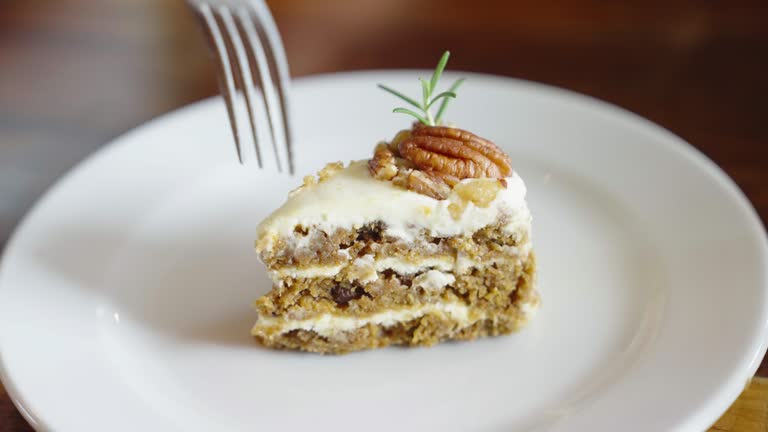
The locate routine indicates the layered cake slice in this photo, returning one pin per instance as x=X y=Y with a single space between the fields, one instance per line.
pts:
x=429 y=240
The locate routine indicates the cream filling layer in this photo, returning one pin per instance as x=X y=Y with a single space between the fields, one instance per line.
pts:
x=433 y=280
x=402 y=266
x=308 y=272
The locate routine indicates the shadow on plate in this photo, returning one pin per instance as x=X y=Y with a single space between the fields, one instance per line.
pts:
x=197 y=286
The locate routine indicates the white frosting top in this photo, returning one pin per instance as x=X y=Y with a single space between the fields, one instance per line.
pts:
x=352 y=198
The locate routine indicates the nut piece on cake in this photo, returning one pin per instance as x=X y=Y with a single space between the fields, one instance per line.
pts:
x=429 y=240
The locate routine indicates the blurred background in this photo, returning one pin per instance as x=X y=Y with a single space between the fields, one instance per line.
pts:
x=76 y=73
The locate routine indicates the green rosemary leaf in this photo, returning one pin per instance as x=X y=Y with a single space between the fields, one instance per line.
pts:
x=445 y=94
x=428 y=87
x=425 y=92
x=409 y=112
x=444 y=105
x=400 y=95
x=439 y=70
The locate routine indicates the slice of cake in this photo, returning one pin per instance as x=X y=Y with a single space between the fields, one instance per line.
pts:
x=429 y=240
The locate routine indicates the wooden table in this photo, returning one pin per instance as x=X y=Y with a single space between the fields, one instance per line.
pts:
x=75 y=73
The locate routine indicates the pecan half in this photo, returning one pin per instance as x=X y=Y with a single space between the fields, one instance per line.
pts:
x=454 y=152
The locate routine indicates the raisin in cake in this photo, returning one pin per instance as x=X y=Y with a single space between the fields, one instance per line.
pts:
x=429 y=240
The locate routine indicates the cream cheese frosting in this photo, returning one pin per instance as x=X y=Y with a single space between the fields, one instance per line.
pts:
x=353 y=198
x=433 y=280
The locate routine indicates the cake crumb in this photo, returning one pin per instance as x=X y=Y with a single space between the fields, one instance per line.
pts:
x=330 y=170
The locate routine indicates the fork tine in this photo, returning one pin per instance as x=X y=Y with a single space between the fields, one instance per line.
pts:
x=242 y=72
x=275 y=51
x=226 y=80
x=261 y=70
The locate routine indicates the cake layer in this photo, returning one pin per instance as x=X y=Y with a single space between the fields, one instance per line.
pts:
x=367 y=267
x=416 y=326
x=351 y=197
x=313 y=249
x=328 y=324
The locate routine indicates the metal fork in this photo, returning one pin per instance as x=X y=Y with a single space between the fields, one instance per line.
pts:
x=237 y=62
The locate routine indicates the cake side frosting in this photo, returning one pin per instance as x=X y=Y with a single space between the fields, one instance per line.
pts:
x=351 y=197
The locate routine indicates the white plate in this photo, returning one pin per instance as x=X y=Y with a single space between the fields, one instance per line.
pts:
x=125 y=294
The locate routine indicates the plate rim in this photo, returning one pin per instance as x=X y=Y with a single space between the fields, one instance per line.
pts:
x=718 y=401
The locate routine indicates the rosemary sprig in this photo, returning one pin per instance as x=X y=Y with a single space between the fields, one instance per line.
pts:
x=427 y=100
